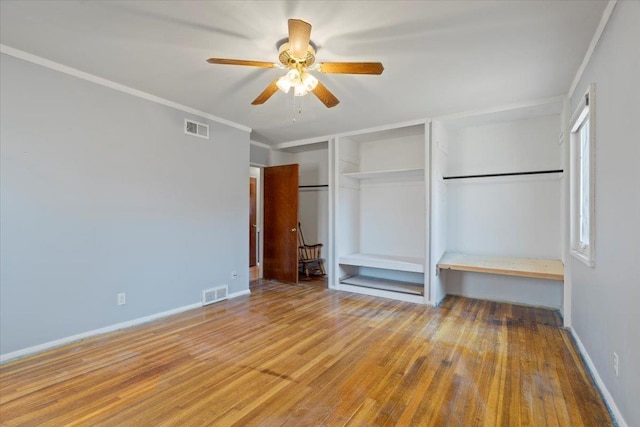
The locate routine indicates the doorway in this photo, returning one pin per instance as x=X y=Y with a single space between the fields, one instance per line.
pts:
x=255 y=223
x=273 y=219
x=312 y=208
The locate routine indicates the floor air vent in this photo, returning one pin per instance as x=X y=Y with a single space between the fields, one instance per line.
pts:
x=212 y=295
x=196 y=129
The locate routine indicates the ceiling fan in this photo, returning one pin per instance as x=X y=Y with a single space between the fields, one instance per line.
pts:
x=298 y=57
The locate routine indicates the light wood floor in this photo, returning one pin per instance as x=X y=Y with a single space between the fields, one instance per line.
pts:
x=302 y=355
x=254 y=272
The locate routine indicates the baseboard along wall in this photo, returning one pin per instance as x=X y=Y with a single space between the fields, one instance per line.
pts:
x=29 y=351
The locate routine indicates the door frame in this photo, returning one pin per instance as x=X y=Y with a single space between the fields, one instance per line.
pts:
x=253 y=221
x=256 y=171
x=333 y=179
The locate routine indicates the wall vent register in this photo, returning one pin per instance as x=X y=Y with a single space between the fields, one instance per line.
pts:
x=209 y=296
x=196 y=129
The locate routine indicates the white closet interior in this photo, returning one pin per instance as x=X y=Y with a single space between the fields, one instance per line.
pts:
x=498 y=206
x=381 y=213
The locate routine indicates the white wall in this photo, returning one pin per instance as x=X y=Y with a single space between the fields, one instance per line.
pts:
x=279 y=158
x=506 y=146
x=347 y=209
x=392 y=211
x=493 y=287
x=506 y=216
x=392 y=218
x=102 y=192
x=404 y=152
x=439 y=212
x=313 y=209
x=605 y=298
x=259 y=154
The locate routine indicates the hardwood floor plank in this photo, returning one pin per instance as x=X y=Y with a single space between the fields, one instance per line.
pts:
x=290 y=355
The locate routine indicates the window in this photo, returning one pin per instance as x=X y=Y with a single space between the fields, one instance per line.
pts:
x=583 y=179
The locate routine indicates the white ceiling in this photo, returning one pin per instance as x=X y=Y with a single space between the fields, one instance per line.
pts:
x=440 y=57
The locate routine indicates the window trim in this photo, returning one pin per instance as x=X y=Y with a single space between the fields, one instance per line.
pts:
x=584 y=111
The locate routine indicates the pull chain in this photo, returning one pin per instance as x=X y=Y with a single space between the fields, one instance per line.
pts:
x=297 y=110
x=294 y=108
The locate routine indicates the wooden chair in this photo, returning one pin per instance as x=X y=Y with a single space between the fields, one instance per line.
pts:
x=310 y=259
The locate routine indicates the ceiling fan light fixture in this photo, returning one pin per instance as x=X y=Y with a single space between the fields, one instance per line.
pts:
x=309 y=81
x=294 y=77
x=284 y=84
x=300 y=90
x=301 y=81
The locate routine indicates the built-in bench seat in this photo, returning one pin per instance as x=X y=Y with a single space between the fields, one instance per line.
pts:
x=552 y=269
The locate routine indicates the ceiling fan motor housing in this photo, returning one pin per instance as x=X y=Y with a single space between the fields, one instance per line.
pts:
x=287 y=58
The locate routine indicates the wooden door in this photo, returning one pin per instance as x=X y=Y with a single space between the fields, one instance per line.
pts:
x=280 y=219
x=253 y=225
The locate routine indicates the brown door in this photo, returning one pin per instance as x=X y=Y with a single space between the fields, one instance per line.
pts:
x=252 y=222
x=280 y=219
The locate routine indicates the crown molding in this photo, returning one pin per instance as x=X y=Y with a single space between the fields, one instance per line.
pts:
x=16 y=53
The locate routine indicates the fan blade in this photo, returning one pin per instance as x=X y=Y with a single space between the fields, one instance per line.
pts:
x=351 y=67
x=266 y=94
x=299 y=35
x=225 y=61
x=324 y=95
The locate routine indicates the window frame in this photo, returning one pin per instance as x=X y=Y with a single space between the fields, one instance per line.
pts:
x=584 y=113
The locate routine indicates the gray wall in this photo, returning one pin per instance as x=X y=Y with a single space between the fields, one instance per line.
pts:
x=102 y=192
x=605 y=298
x=259 y=155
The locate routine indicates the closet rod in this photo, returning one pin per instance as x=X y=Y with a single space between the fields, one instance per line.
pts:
x=313 y=186
x=503 y=174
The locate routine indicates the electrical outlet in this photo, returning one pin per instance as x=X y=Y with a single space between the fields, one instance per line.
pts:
x=234 y=275
x=615 y=362
x=122 y=298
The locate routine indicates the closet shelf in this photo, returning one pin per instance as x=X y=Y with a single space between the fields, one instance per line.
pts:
x=400 y=263
x=552 y=269
x=403 y=173
x=385 y=284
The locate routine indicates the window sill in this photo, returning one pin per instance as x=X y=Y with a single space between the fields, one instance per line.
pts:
x=583 y=257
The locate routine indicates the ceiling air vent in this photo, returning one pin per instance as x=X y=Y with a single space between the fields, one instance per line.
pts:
x=196 y=129
x=212 y=295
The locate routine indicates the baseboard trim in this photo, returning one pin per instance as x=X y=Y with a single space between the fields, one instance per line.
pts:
x=239 y=294
x=613 y=408
x=29 y=351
